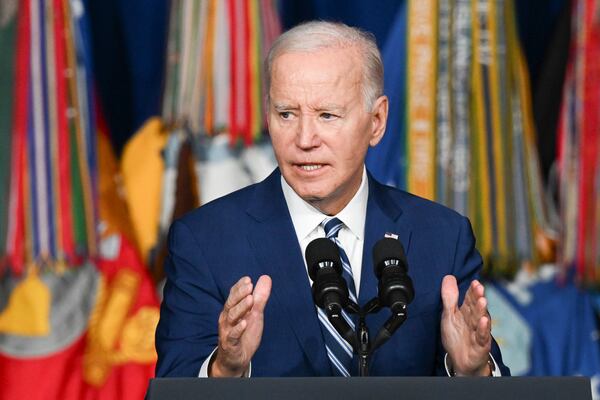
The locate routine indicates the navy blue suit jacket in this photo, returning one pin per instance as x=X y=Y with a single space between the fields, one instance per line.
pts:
x=250 y=232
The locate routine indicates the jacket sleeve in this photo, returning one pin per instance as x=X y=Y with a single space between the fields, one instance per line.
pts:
x=466 y=267
x=187 y=332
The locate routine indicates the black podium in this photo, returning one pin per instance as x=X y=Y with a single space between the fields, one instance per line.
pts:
x=405 y=388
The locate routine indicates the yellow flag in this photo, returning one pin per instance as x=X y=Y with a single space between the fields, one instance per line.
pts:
x=142 y=167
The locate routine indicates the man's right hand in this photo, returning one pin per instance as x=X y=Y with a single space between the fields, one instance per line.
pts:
x=240 y=327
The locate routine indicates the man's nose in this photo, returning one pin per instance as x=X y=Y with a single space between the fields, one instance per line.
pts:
x=307 y=136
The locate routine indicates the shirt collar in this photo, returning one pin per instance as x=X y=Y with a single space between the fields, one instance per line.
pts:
x=306 y=218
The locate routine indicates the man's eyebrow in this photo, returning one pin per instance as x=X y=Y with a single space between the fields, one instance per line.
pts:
x=329 y=107
x=283 y=107
x=319 y=108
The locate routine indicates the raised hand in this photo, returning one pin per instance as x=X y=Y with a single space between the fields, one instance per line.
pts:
x=240 y=327
x=466 y=330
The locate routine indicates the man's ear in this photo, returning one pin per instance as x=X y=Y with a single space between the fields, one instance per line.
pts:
x=379 y=115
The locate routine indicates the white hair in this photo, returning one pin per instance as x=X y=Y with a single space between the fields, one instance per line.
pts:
x=318 y=35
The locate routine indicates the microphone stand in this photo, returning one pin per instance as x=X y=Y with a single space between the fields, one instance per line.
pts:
x=364 y=349
x=360 y=340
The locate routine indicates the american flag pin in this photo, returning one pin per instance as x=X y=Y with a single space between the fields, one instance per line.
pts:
x=391 y=235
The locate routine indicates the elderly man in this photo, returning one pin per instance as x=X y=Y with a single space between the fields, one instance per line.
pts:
x=238 y=301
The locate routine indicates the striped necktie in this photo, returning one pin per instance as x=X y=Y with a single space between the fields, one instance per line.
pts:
x=338 y=350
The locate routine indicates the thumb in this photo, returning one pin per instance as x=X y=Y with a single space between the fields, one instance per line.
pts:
x=262 y=291
x=449 y=293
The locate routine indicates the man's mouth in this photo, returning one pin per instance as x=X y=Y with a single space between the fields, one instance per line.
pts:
x=311 y=167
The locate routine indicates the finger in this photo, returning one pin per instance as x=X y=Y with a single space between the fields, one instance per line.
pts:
x=236 y=332
x=235 y=313
x=478 y=289
x=484 y=331
x=475 y=313
x=262 y=291
x=449 y=293
x=471 y=307
x=239 y=291
x=479 y=309
x=474 y=292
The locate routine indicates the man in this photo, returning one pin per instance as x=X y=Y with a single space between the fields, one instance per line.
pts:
x=237 y=300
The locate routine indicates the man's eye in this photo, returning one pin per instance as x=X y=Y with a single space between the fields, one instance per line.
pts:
x=327 y=116
x=285 y=115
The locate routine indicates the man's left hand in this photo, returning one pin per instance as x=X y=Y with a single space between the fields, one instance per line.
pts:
x=466 y=330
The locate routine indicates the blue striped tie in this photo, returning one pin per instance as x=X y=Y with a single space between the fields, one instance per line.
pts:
x=338 y=350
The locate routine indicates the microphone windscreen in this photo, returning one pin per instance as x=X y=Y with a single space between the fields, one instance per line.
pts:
x=319 y=250
x=387 y=249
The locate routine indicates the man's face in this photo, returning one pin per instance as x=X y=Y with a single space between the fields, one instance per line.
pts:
x=319 y=124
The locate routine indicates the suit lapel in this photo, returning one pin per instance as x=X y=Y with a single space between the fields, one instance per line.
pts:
x=383 y=216
x=277 y=250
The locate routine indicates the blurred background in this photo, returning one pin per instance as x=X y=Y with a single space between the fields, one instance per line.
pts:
x=118 y=116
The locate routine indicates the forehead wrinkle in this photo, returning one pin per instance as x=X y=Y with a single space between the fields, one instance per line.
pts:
x=315 y=88
x=352 y=72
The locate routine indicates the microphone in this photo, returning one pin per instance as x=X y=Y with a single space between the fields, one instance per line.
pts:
x=329 y=288
x=395 y=286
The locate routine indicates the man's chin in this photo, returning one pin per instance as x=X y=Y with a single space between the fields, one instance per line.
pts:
x=311 y=193
x=312 y=199
x=318 y=202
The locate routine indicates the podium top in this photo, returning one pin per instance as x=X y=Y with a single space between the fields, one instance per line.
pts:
x=406 y=388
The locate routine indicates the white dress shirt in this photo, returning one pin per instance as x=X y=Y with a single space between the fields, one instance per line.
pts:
x=307 y=224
